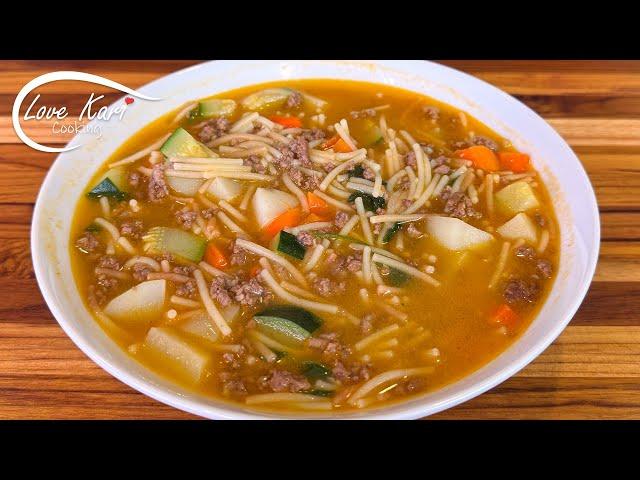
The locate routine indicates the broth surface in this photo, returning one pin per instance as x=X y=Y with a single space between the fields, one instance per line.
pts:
x=437 y=334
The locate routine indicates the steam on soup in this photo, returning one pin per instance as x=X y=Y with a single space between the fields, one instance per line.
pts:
x=315 y=245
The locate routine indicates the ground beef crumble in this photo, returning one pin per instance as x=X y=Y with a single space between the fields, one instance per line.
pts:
x=186 y=217
x=255 y=162
x=306 y=239
x=458 y=204
x=294 y=100
x=132 y=229
x=88 y=242
x=341 y=219
x=140 y=271
x=521 y=291
x=284 y=381
x=157 y=189
x=325 y=287
x=213 y=129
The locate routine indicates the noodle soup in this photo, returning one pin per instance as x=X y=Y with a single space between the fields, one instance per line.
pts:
x=315 y=245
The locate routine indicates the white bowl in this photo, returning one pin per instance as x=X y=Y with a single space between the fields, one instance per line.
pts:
x=561 y=171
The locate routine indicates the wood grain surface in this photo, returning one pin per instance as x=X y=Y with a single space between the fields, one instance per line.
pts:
x=592 y=371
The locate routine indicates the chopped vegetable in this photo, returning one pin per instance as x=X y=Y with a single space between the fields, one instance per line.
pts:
x=118 y=176
x=214 y=107
x=481 y=156
x=182 y=144
x=282 y=330
x=315 y=371
x=139 y=305
x=288 y=244
x=224 y=189
x=185 y=186
x=269 y=203
x=215 y=257
x=454 y=234
x=515 y=198
x=269 y=98
x=290 y=218
x=317 y=205
x=391 y=232
x=357 y=171
x=337 y=143
x=178 y=242
x=505 y=315
x=397 y=278
x=200 y=326
x=514 y=161
x=336 y=236
x=287 y=122
x=93 y=228
x=178 y=354
x=370 y=135
x=520 y=226
x=106 y=188
x=369 y=202
x=299 y=316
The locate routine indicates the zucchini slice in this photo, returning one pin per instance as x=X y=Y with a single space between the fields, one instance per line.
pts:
x=106 y=188
x=371 y=134
x=287 y=243
x=118 y=176
x=287 y=324
x=391 y=232
x=183 y=244
x=182 y=144
x=269 y=98
x=215 y=107
x=315 y=371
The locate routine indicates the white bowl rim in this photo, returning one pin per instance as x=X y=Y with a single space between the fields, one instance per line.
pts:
x=417 y=409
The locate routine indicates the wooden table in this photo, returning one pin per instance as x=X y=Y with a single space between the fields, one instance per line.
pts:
x=591 y=371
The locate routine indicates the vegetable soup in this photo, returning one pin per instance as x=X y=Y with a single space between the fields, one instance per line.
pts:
x=315 y=245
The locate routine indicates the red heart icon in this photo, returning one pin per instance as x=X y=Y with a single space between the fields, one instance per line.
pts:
x=128 y=100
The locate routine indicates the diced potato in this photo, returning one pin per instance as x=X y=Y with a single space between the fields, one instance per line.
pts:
x=178 y=354
x=139 y=305
x=454 y=234
x=200 y=325
x=520 y=226
x=224 y=189
x=185 y=186
x=515 y=198
x=268 y=203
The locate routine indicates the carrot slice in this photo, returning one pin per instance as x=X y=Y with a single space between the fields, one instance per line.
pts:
x=287 y=122
x=312 y=218
x=514 y=161
x=290 y=218
x=481 y=156
x=317 y=205
x=505 y=315
x=337 y=143
x=215 y=257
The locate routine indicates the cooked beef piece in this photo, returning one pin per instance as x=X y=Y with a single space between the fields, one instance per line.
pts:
x=458 y=204
x=365 y=113
x=255 y=162
x=442 y=169
x=306 y=239
x=220 y=290
x=354 y=373
x=186 y=270
x=410 y=159
x=294 y=100
x=132 y=229
x=412 y=231
x=313 y=134
x=88 y=242
x=140 y=271
x=305 y=182
x=431 y=112
x=521 y=291
x=295 y=154
x=239 y=256
x=157 y=189
x=526 y=252
x=213 y=129
x=368 y=174
x=250 y=292
x=187 y=289
x=186 y=217
x=109 y=261
x=284 y=381
x=326 y=287
x=487 y=142
x=544 y=268
x=341 y=219
x=209 y=213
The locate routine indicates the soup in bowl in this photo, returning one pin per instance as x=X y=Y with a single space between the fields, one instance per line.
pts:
x=316 y=247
